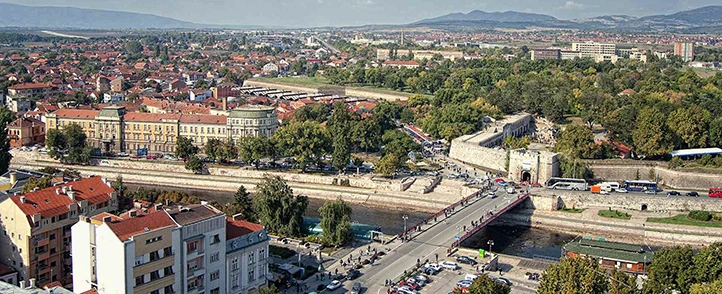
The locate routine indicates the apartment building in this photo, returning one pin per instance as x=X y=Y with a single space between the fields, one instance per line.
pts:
x=543 y=54
x=36 y=226
x=384 y=54
x=202 y=248
x=31 y=90
x=26 y=131
x=591 y=49
x=684 y=50
x=135 y=252
x=112 y=129
x=246 y=256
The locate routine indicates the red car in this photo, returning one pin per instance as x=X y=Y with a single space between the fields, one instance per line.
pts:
x=499 y=180
x=410 y=284
x=536 y=185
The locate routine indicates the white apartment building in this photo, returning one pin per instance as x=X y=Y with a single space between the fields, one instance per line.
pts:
x=202 y=248
x=592 y=49
x=246 y=256
x=136 y=252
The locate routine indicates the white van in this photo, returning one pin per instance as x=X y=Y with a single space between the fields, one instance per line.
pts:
x=510 y=190
x=610 y=186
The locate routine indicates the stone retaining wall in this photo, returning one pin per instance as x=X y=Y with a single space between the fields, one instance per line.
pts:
x=489 y=158
x=623 y=201
x=332 y=90
x=677 y=179
x=435 y=182
x=279 y=86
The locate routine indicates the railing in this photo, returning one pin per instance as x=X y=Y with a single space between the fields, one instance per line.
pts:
x=489 y=219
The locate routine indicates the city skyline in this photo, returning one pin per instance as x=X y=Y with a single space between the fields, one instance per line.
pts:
x=317 y=13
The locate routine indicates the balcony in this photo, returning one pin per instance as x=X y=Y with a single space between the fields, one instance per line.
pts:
x=158 y=263
x=43 y=256
x=42 y=242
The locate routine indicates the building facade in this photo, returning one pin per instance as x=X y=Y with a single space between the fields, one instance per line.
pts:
x=591 y=49
x=202 y=248
x=543 y=54
x=112 y=129
x=31 y=90
x=26 y=131
x=37 y=226
x=135 y=252
x=246 y=256
x=684 y=50
x=625 y=257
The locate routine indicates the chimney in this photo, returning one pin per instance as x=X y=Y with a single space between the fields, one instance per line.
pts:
x=13 y=178
x=22 y=285
x=158 y=207
x=132 y=213
x=57 y=191
x=180 y=207
x=107 y=219
x=204 y=202
x=65 y=189
x=32 y=283
x=22 y=199
x=70 y=188
x=71 y=194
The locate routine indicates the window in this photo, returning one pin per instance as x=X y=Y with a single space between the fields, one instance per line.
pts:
x=234 y=264
x=251 y=258
x=215 y=275
x=168 y=289
x=53 y=250
x=154 y=256
x=262 y=254
x=192 y=247
x=168 y=251
x=251 y=275
x=139 y=260
x=167 y=271
x=214 y=257
x=215 y=291
x=215 y=239
x=155 y=292
x=153 y=240
x=234 y=280
x=154 y=275
x=139 y=280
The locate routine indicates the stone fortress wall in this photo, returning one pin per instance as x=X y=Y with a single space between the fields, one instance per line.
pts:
x=332 y=90
x=620 y=170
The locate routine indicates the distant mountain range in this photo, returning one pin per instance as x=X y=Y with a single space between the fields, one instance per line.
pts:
x=691 y=20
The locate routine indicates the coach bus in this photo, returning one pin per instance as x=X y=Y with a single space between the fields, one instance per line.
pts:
x=567 y=184
x=640 y=186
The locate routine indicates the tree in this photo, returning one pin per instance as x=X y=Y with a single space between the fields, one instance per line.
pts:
x=307 y=141
x=184 y=148
x=578 y=142
x=650 y=137
x=119 y=187
x=573 y=276
x=336 y=222
x=69 y=144
x=690 y=124
x=253 y=149
x=194 y=164
x=622 y=283
x=512 y=142
x=708 y=288
x=708 y=263
x=715 y=132
x=214 y=149
x=339 y=127
x=672 y=268
x=485 y=285
x=244 y=202
x=388 y=165
x=6 y=117
x=366 y=134
x=229 y=150
x=278 y=209
x=133 y=47
x=34 y=183
x=268 y=289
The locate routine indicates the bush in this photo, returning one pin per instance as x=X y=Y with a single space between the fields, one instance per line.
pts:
x=705 y=159
x=700 y=215
x=675 y=162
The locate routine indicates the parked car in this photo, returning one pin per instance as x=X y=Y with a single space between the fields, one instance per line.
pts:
x=432 y=268
x=335 y=284
x=353 y=274
x=422 y=278
x=356 y=288
x=692 y=194
x=410 y=284
x=504 y=281
x=536 y=185
x=464 y=283
x=450 y=265
x=415 y=281
x=503 y=184
x=491 y=195
x=466 y=260
x=673 y=193
x=406 y=290
x=471 y=277
x=650 y=192
x=622 y=190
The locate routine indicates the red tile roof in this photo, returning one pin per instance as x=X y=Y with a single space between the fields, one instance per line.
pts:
x=51 y=201
x=236 y=228
x=204 y=119
x=29 y=86
x=131 y=226
x=4 y=270
x=26 y=122
x=140 y=116
x=76 y=113
x=91 y=291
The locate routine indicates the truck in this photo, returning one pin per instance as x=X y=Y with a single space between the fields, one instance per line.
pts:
x=600 y=189
x=610 y=186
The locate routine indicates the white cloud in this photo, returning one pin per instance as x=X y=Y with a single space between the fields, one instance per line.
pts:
x=571 y=5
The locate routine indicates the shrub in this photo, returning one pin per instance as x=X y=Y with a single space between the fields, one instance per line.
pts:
x=700 y=215
x=705 y=159
x=675 y=162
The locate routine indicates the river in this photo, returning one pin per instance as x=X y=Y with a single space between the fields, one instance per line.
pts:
x=389 y=220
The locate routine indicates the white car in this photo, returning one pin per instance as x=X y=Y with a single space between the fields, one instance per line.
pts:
x=622 y=190
x=421 y=278
x=407 y=290
x=464 y=283
x=450 y=265
x=491 y=195
x=335 y=284
x=415 y=281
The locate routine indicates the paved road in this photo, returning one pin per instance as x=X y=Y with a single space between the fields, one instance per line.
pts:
x=435 y=240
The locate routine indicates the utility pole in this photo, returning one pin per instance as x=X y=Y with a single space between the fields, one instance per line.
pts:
x=405 y=217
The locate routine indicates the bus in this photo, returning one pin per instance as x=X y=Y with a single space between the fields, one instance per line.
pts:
x=715 y=192
x=567 y=184
x=640 y=186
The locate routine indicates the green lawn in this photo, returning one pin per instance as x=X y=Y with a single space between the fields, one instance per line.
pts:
x=302 y=81
x=683 y=219
x=572 y=210
x=614 y=214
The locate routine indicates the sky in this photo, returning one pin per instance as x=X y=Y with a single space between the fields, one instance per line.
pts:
x=315 y=13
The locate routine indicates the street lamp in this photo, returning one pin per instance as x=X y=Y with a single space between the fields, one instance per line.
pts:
x=405 y=217
x=491 y=243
